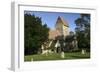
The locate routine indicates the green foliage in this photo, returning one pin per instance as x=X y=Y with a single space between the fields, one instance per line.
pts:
x=35 y=33
x=83 y=31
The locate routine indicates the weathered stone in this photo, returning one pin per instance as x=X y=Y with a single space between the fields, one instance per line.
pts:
x=62 y=55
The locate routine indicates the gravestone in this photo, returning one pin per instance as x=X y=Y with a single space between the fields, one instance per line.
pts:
x=62 y=55
x=83 y=51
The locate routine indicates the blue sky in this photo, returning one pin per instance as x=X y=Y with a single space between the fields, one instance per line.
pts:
x=50 y=18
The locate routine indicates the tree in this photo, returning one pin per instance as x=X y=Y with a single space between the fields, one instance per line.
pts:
x=83 y=31
x=35 y=33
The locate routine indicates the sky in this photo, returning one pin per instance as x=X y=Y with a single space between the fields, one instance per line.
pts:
x=50 y=18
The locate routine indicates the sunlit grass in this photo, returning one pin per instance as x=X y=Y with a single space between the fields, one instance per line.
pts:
x=56 y=56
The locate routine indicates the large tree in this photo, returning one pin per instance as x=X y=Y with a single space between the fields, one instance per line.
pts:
x=35 y=33
x=83 y=31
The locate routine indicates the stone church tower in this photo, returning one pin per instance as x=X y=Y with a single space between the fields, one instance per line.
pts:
x=62 y=26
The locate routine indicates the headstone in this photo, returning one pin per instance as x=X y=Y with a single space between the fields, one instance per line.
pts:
x=83 y=51
x=62 y=55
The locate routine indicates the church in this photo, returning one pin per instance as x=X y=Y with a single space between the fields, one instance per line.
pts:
x=53 y=44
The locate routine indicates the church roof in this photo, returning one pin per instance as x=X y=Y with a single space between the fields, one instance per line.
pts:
x=61 y=20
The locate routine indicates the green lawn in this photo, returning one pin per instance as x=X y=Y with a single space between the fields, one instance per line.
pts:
x=55 y=56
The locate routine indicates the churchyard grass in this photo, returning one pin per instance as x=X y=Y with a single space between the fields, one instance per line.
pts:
x=57 y=56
